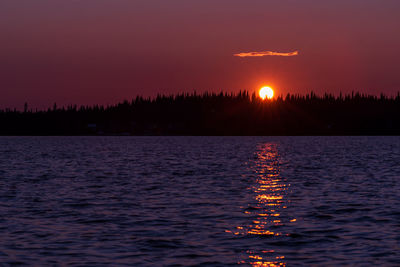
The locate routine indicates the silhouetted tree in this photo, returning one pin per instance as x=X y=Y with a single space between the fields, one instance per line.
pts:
x=215 y=114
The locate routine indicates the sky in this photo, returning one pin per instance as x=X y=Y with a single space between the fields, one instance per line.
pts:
x=89 y=52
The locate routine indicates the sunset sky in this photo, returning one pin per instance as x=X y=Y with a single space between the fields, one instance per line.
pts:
x=102 y=52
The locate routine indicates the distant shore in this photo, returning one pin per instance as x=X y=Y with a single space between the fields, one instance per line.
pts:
x=215 y=114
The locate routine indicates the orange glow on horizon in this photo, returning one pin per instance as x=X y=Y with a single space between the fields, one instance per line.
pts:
x=266 y=92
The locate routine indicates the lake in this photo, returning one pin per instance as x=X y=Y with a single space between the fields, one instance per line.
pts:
x=210 y=201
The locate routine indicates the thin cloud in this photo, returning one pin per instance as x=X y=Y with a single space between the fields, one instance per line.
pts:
x=266 y=53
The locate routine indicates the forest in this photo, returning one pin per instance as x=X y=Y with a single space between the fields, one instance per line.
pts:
x=215 y=114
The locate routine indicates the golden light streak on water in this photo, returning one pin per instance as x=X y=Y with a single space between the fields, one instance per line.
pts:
x=269 y=201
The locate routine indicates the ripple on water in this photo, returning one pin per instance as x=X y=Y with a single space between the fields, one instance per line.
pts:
x=218 y=201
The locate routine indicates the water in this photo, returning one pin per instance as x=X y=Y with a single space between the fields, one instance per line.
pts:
x=211 y=201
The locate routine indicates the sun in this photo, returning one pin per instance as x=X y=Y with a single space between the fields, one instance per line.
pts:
x=266 y=92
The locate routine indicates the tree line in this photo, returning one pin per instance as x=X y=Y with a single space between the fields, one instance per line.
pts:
x=215 y=114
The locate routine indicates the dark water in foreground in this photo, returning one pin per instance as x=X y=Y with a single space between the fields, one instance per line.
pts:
x=217 y=201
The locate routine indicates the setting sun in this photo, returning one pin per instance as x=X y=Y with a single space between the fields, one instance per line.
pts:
x=266 y=93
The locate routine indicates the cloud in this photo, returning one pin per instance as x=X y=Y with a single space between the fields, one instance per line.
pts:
x=266 y=53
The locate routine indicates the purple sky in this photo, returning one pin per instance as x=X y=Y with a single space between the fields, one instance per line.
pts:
x=96 y=51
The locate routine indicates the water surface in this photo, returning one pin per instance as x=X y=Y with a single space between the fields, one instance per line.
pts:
x=218 y=201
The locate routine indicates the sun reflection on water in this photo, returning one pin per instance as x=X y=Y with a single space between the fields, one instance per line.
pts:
x=266 y=209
